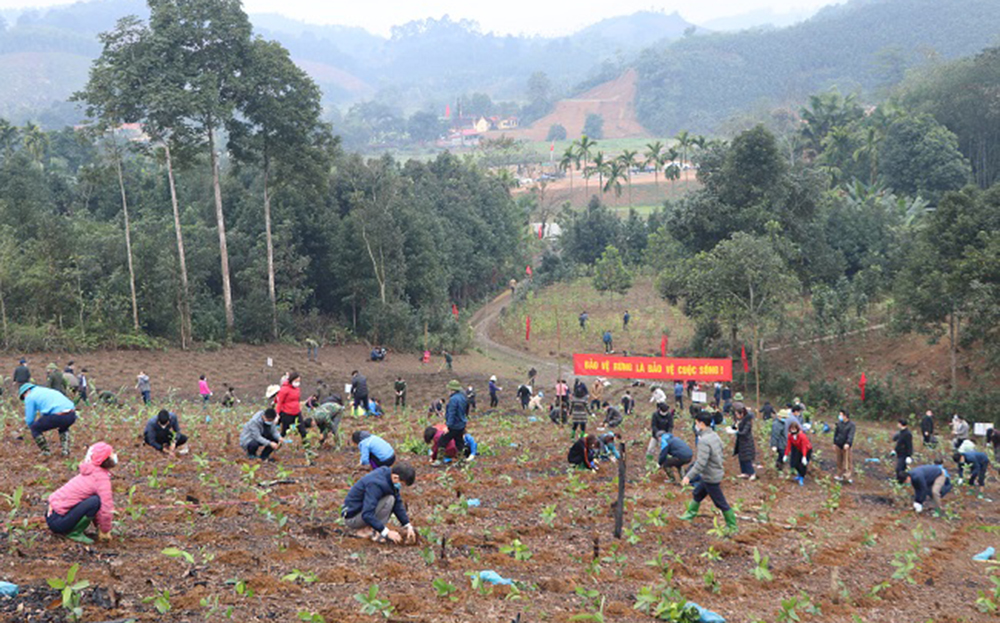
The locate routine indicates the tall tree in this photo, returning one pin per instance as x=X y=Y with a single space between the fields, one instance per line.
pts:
x=279 y=121
x=584 y=148
x=654 y=158
x=628 y=160
x=569 y=159
x=203 y=46
x=610 y=274
x=600 y=167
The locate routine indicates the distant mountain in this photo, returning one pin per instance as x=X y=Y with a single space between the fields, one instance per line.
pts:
x=861 y=46
x=758 y=19
x=638 y=30
x=425 y=63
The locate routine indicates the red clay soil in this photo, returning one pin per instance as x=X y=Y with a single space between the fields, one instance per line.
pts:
x=613 y=100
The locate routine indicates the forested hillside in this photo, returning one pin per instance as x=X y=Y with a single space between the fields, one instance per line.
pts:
x=865 y=45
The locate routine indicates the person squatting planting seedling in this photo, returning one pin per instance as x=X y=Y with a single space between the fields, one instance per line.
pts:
x=927 y=479
x=612 y=416
x=86 y=497
x=375 y=451
x=660 y=423
x=674 y=453
x=261 y=433
x=798 y=449
x=45 y=409
x=326 y=418
x=373 y=499
x=707 y=473
x=583 y=452
x=432 y=437
x=163 y=432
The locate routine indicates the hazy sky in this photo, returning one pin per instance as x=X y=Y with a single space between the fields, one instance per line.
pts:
x=508 y=16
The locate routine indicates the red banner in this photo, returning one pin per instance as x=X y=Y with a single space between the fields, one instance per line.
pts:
x=743 y=358
x=527 y=329
x=861 y=384
x=656 y=368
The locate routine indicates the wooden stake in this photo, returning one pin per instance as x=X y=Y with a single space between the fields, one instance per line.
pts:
x=620 y=507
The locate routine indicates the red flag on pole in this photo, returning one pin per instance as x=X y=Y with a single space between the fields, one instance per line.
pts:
x=447 y=111
x=527 y=329
x=663 y=346
x=527 y=269
x=454 y=311
x=540 y=231
x=861 y=384
x=743 y=356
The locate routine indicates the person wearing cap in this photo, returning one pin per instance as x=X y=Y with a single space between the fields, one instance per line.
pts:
x=494 y=390
x=737 y=403
x=45 y=409
x=375 y=451
x=163 y=432
x=674 y=453
x=326 y=418
x=55 y=379
x=261 y=433
x=707 y=473
x=374 y=498
x=432 y=437
x=85 y=498
x=927 y=479
x=470 y=397
x=144 y=387
x=22 y=374
x=456 y=416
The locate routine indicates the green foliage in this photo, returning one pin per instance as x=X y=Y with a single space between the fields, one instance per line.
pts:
x=517 y=549
x=556 y=133
x=664 y=603
x=372 y=604
x=71 y=591
x=297 y=575
x=444 y=588
x=593 y=126
x=610 y=274
x=160 y=601
x=761 y=572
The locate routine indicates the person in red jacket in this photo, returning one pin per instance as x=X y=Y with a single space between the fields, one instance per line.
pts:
x=86 y=497
x=287 y=404
x=800 y=449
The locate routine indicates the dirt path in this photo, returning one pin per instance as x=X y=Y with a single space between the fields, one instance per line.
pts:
x=482 y=322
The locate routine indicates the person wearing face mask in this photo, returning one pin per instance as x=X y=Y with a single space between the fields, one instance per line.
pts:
x=85 y=498
x=799 y=449
x=373 y=499
x=288 y=406
x=843 y=441
x=163 y=433
x=904 y=448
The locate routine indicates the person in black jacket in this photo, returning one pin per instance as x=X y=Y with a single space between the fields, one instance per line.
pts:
x=524 y=394
x=583 y=452
x=927 y=428
x=163 y=432
x=904 y=448
x=359 y=390
x=612 y=416
x=661 y=422
x=745 y=448
x=843 y=441
x=374 y=498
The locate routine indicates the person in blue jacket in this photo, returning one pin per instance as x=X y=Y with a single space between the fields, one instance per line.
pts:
x=45 y=409
x=674 y=453
x=927 y=479
x=456 y=416
x=375 y=451
x=375 y=497
x=979 y=462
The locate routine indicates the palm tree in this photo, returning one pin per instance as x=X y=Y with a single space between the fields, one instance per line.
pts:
x=628 y=160
x=36 y=142
x=683 y=139
x=617 y=171
x=654 y=156
x=600 y=167
x=8 y=137
x=568 y=161
x=583 y=151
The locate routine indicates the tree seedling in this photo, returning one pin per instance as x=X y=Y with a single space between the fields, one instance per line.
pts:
x=71 y=592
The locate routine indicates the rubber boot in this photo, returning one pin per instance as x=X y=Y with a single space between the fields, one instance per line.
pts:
x=42 y=444
x=76 y=534
x=692 y=511
x=64 y=442
x=730 y=516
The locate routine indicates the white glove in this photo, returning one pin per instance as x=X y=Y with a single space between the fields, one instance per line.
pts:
x=731 y=430
x=786 y=458
x=805 y=462
x=893 y=453
x=918 y=507
x=774 y=449
x=909 y=460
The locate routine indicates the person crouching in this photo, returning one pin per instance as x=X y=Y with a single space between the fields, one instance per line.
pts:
x=163 y=433
x=85 y=498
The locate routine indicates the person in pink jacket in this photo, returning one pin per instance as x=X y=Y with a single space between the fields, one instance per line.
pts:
x=86 y=497
x=203 y=389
